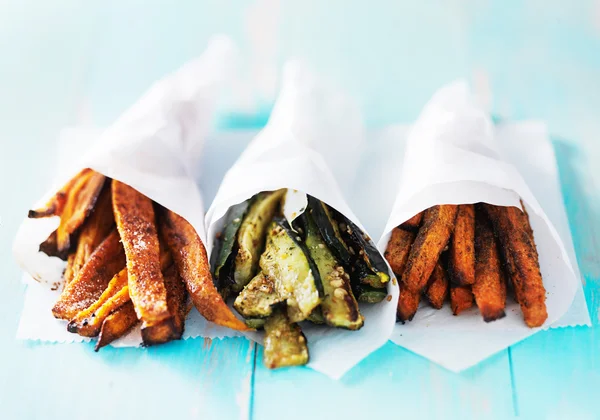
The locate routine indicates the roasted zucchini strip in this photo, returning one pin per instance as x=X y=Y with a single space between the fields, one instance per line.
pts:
x=134 y=215
x=294 y=273
x=225 y=249
x=190 y=258
x=91 y=281
x=258 y=298
x=368 y=294
x=251 y=236
x=256 y=323
x=330 y=231
x=339 y=307
x=433 y=236
x=285 y=345
x=515 y=235
x=490 y=285
x=461 y=252
x=116 y=325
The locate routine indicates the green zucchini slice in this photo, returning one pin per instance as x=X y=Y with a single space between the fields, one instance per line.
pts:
x=251 y=236
x=339 y=307
x=224 y=250
x=295 y=275
x=257 y=299
x=368 y=294
x=316 y=316
x=256 y=323
x=285 y=345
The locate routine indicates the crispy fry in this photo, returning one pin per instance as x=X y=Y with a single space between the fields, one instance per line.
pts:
x=437 y=290
x=88 y=322
x=461 y=253
x=433 y=236
x=55 y=206
x=461 y=299
x=135 y=220
x=398 y=249
x=117 y=325
x=408 y=304
x=171 y=328
x=413 y=224
x=490 y=285
x=79 y=201
x=192 y=263
x=517 y=245
x=97 y=226
x=91 y=281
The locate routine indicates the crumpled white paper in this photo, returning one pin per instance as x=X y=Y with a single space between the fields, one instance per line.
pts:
x=284 y=155
x=154 y=147
x=452 y=157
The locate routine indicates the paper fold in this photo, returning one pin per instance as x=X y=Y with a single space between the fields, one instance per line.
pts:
x=286 y=154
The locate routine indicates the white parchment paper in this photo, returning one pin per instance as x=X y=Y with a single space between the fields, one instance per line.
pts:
x=453 y=157
x=154 y=147
x=284 y=155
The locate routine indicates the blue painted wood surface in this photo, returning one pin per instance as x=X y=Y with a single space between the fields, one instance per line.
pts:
x=67 y=61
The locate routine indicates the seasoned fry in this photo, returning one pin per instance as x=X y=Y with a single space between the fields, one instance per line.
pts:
x=398 y=249
x=490 y=285
x=55 y=206
x=437 y=291
x=408 y=303
x=117 y=325
x=171 y=328
x=433 y=236
x=461 y=253
x=88 y=322
x=97 y=226
x=135 y=220
x=93 y=278
x=517 y=245
x=413 y=224
x=80 y=199
x=192 y=263
x=461 y=299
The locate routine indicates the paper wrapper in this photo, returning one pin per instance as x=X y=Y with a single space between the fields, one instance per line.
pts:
x=155 y=148
x=281 y=156
x=452 y=157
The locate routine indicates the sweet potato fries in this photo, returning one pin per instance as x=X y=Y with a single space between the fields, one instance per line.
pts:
x=121 y=270
x=467 y=254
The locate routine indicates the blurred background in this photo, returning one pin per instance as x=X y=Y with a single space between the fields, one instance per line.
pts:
x=69 y=62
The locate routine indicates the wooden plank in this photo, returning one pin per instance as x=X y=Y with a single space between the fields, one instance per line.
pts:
x=189 y=379
x=392 y=382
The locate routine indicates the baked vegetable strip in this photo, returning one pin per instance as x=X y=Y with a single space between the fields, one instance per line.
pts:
x=98 y=225
x=408 y=304
x=285 y=345
x=461 y=299
x=55 y=206
x=461 y=253
x=258 y=298
x=437 y=291
x=135 y=219
x=117 y=324
x=88 y=322
x=192 y=263
x=93 y=278
x=490 y=285
x=517 y=245
x=170 y=328
x=433 y=236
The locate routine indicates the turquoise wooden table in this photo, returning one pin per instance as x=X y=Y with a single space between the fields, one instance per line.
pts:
x=67 y=62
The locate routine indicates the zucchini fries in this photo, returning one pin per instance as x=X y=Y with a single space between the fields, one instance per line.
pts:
x=316 y=270
x=469 y=254
x=129 y=261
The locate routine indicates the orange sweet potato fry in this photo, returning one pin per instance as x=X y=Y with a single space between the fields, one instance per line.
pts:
x=74 y=205
x=134 y=216
x=518 y=248
x=490 y=285
x=93 y=278
x=433 y=236
x=398 y=249
x=56 y=204
x=190 y=258
x=117 y=324
x=408 y=304
x=461 y=252
x=437 y=290
x=461 y=299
